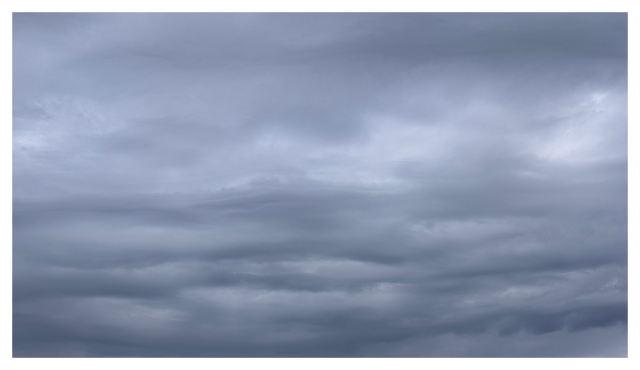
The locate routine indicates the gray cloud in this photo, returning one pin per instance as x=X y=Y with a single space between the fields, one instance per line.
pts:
x=320 y=185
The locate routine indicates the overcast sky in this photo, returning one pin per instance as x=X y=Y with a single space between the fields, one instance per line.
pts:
x=320 y=185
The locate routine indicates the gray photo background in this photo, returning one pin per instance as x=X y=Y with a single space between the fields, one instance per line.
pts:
x=320 y=185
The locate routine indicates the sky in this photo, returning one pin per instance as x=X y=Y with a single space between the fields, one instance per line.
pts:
x=319 y=185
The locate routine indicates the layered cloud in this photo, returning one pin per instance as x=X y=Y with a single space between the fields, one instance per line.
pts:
x=320 y=185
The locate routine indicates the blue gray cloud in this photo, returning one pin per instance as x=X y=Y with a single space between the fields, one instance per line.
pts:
x=320 y=185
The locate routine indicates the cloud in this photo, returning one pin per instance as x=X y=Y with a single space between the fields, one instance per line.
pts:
x=320 y=185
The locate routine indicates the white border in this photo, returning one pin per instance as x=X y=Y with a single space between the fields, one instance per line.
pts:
x=321 y=6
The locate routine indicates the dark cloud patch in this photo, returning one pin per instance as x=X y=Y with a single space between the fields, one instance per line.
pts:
x=320 y=185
